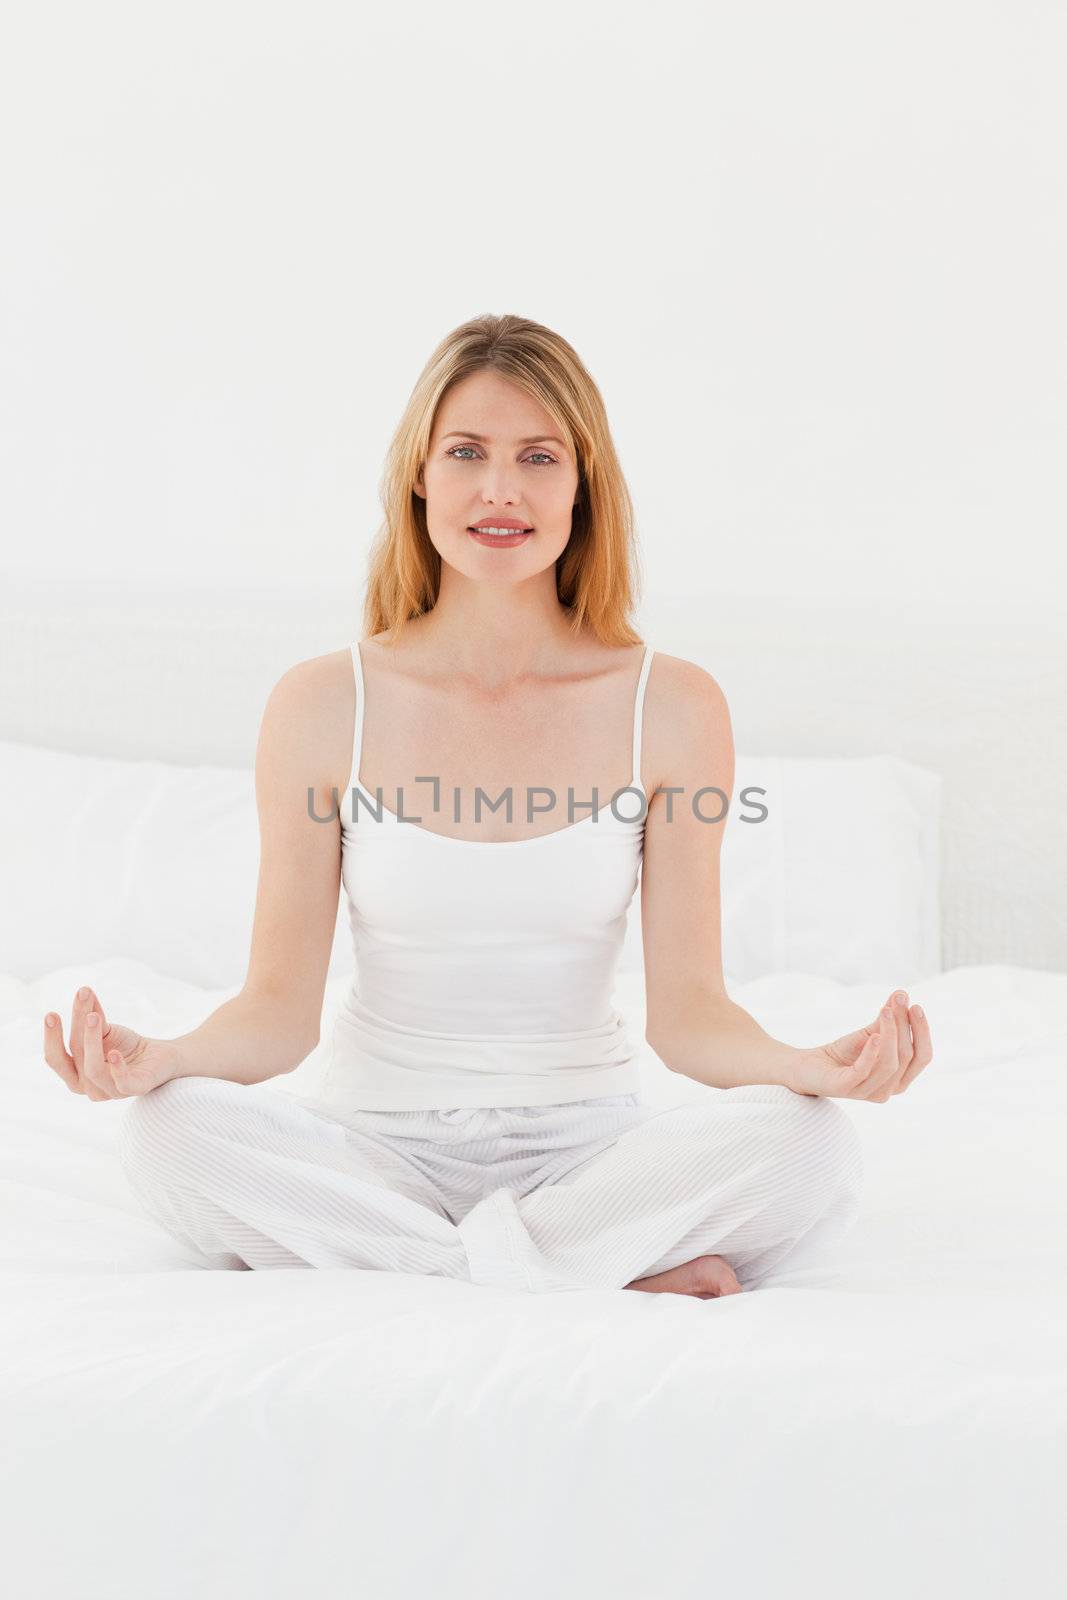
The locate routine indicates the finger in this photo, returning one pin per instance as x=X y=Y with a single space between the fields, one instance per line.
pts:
x=55 y=1053
x=924 y=1050
x=874 y=1026
x=884 y=1065
x=865 y=1063
x=905 y=1048
x=78 y=1013
x=910 y=1022
x=906 y=1038
x=96 y=1070
x=94 y=1005
x=112 y=1064
x=86 y=1004
x=898 y=1054
x=883 y=1060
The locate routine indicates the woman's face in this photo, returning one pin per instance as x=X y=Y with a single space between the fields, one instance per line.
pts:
x=497 y=455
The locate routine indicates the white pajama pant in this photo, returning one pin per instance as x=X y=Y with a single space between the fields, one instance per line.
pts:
x=591 y=1194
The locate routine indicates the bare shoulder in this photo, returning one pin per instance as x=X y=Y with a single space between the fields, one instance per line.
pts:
x=308 y=719
x=315 y=691
x=691 y=685
x=688 y=736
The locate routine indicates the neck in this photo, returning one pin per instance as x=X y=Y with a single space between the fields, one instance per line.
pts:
x=494 y=635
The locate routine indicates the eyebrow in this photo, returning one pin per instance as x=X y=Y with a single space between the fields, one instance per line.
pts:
x=538 y=438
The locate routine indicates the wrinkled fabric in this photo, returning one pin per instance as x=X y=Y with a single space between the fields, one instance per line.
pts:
x=591 y=1194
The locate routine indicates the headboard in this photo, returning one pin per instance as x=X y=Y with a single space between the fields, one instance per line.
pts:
x=180 y=672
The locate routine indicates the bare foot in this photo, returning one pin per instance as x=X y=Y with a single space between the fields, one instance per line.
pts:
x=707 y=1277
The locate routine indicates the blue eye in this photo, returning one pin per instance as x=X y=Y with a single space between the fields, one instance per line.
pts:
x=551 y=460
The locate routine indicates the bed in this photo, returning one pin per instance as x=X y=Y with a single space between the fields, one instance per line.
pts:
x=892 y=1419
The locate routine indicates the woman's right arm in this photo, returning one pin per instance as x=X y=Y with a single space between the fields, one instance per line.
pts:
x=272 y=1025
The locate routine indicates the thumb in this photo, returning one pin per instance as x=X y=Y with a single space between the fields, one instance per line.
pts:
x=121 y=1074
x=850 y=1045
x=130 y=1077
x=114 y=1061
x=868 y=1054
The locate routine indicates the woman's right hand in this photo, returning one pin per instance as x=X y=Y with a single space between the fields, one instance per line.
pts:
x=107 y=1061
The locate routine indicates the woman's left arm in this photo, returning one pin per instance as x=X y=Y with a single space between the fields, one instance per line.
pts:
x=691 y=1022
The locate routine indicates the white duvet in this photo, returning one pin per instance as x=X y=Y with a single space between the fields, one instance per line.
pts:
x=890 y=1423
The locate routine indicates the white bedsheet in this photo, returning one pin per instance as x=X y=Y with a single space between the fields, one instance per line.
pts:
x=891 y=1423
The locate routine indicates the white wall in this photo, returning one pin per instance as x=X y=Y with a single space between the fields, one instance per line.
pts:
x=813 y=254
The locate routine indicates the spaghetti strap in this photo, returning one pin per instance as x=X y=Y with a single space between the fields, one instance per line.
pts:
x=446 y=930
x=639 y=704
x=357 y=726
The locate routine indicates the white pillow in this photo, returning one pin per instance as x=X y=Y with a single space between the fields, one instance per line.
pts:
x=104 y=857
x=160 y=863
x=840 y=878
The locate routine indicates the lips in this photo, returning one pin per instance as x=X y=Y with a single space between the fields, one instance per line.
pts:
x=500 y=541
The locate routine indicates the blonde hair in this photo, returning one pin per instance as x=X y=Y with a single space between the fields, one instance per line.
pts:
x=597 y=571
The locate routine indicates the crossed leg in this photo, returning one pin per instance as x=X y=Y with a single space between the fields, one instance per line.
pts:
x=755 y=1174
x=254 y=1179
x=251 y=1178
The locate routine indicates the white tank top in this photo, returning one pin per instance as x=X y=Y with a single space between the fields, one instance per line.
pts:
x=484 y=971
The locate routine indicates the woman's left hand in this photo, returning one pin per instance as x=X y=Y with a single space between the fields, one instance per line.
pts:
x=874 y=1063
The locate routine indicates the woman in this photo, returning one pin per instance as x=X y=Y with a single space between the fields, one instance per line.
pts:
x=481 y=1117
